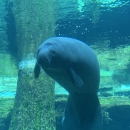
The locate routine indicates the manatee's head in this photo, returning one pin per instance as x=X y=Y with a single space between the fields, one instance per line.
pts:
x=45 y=57
x=45 y=54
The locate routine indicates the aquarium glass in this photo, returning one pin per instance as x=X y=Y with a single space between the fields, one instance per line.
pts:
x=27 y=103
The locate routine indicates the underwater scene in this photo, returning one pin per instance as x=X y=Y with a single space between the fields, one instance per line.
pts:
x=64 y=64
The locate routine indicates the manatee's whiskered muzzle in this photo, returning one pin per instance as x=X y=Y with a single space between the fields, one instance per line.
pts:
x=43 y=60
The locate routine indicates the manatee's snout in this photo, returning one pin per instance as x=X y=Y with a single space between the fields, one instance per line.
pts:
x=43 y=58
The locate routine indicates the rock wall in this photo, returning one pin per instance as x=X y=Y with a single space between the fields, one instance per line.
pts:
x=34 y=100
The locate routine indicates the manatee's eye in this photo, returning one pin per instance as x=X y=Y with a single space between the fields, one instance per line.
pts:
x=48 y=43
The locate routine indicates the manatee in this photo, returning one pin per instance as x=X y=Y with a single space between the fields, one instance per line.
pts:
x=74 y=65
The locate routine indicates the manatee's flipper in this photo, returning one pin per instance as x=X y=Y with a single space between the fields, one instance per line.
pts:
x=37 y=70
x=82 y=113
x=76 y=79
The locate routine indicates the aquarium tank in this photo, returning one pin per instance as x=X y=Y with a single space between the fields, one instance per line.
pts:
x=27 y=103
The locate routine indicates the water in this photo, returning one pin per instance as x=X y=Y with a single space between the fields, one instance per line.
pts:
x=24 y=25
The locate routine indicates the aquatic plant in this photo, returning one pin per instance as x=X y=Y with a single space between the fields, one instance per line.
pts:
x=34 y=104
x=35 y=21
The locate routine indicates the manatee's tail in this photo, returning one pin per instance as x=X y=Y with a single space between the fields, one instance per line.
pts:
x=82 y=112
